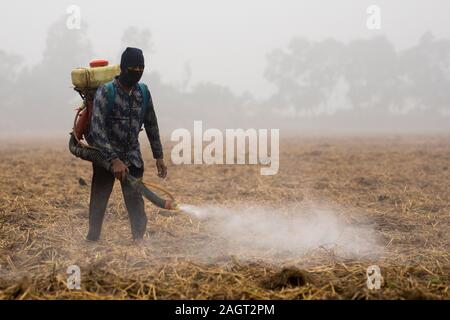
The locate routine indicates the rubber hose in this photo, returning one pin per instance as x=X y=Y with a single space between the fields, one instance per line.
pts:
x=88 y=154
x=94 y=156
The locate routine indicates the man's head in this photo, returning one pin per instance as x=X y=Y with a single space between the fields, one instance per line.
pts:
x=131 y=66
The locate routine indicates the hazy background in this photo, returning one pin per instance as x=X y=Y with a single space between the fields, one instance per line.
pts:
x=302 y=66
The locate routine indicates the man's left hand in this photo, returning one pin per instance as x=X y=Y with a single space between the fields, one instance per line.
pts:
x=162 y=168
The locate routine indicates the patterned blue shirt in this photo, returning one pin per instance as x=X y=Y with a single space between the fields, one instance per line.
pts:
x=116 y=135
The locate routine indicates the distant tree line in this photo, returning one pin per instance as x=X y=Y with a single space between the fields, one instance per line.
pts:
x=316 y=78
x=319 y=84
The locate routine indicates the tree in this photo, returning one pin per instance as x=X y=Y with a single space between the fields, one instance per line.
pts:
x=43 y=97
x=307 y=75
x=372 y=71
x=9 y=70
x=426 y=75
x=142 y=39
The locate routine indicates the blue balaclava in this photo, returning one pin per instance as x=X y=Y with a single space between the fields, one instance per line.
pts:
x=131 y=57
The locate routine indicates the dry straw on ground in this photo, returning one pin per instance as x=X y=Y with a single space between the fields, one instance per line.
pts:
x=399 y=184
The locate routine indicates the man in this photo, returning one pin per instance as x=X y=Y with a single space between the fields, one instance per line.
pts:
x=115 y=134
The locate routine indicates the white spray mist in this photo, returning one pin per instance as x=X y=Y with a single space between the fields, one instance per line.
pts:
x=257 y=231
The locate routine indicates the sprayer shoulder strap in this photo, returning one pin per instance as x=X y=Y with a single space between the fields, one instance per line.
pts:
x=146 y=100
x=111 y=95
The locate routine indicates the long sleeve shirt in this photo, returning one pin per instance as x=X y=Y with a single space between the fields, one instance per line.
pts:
x=116 y=134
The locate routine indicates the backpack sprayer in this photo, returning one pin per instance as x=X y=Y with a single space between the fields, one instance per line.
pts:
x=86 y=81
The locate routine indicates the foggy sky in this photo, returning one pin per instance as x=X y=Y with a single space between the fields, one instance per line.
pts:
x=225 y=42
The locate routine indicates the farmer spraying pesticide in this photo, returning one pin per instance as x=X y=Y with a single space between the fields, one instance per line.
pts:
x=110 y=122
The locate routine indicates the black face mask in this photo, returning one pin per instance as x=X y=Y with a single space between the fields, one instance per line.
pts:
x=130 y=78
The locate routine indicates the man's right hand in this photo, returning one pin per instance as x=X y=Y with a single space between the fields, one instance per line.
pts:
x=119 y=169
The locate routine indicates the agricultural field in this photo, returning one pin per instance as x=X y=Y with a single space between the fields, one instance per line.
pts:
x=337 y=206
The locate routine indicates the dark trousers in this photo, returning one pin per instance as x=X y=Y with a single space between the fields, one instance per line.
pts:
x=101 y=188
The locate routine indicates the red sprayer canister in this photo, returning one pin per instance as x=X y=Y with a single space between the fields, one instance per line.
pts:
x=85 y=114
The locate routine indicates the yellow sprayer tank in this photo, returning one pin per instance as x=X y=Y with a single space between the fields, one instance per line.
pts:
x=94 y=76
